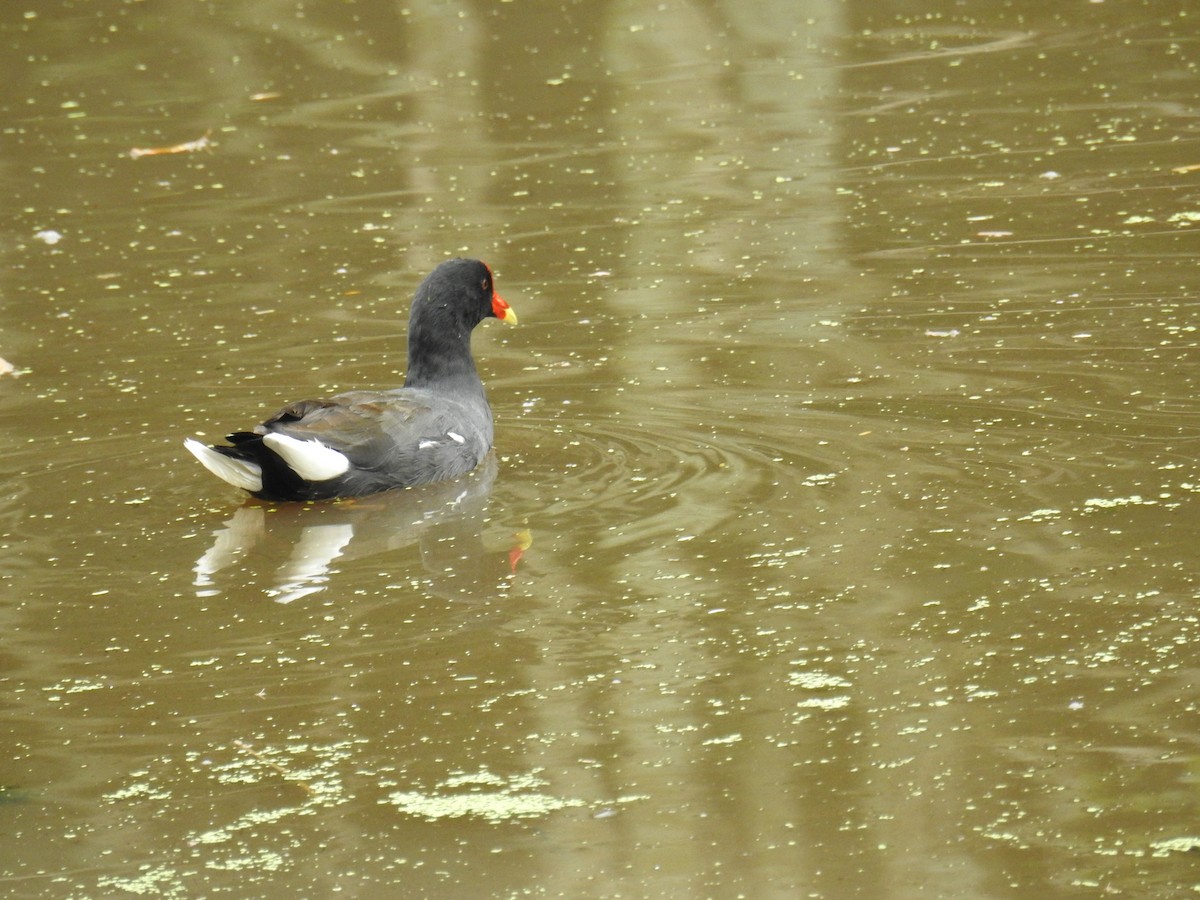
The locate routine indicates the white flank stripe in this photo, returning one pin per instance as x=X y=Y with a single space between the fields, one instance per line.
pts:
x=311 y=460
x=456 y=437
x=426 y=444
x=238 y=472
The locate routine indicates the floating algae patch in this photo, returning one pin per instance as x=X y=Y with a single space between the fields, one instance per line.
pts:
x=151 y=881
x=482 y=795
x=817 y=681
x=821 y=685
x=1176 y=845
x=252 y=819
x=263 y=861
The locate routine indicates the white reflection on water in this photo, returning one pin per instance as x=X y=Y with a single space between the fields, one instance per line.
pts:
x=444 y=518
x=305 y=572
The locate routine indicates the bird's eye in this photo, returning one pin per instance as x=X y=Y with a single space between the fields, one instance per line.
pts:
x=486 y=285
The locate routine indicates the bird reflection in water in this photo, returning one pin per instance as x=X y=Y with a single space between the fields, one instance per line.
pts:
x=462 y=553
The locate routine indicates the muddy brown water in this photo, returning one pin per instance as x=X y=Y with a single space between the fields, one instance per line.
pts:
x=840 y=539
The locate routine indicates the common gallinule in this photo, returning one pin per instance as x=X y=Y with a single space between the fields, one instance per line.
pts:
x=437 y=426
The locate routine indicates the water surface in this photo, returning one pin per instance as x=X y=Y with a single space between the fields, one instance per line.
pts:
x=839 y=537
